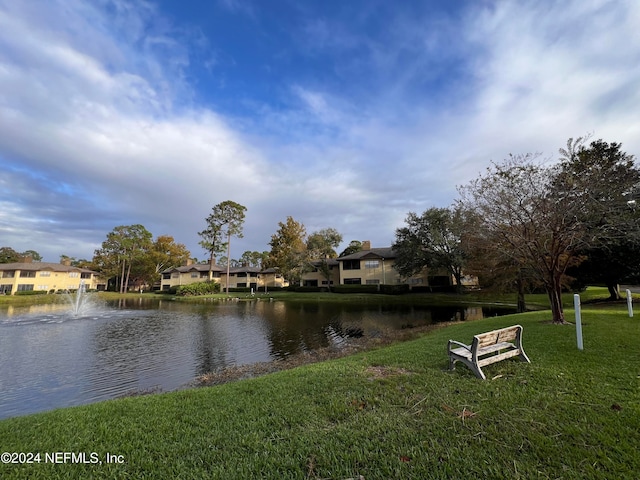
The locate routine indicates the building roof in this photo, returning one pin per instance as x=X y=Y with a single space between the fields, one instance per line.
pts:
x=41 y=266
x=332 y=262
x=385 y=252
x=194 y=267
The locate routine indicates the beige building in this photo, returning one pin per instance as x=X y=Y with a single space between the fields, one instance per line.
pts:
x=320 y=270
x=370 y=266
x=46 y=277
x=239 y=277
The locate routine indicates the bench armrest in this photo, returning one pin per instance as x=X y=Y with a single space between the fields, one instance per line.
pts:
x=468 y=347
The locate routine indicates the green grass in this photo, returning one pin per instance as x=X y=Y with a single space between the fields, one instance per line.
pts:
x=394 y=412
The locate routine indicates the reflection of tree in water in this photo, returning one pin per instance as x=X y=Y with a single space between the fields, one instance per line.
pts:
x=211 y=349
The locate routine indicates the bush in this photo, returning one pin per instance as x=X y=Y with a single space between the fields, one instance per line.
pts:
x=394 y=289
x=170 y=291
x=32 y=292
x=199 y=288
x=355 y=288
x=309 y=289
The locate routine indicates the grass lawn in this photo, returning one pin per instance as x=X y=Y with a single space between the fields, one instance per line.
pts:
x=394 y=412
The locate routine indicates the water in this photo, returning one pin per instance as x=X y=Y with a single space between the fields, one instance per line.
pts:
x=51 y=356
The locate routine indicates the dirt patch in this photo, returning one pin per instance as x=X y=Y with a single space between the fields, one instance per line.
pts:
x=354 y=345
x=380 y=371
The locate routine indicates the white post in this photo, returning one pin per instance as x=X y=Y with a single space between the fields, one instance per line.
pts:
x=629 y=303
x=576 y=304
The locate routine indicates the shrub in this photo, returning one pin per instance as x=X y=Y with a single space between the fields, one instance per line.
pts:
x=32 y=292
x=199 y=288
x=394 y=289
x=310 y=289
x=355 y=288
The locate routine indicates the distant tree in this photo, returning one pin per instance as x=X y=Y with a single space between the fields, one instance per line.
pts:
x=254 y=259
x=74 y=262
x=226 y=220
x=288 y=250
x=354 y=246
x=35 y=256
x=432 y=240
x=321 y=246
x=124 y=247
x=8 y=255
x=164 y=253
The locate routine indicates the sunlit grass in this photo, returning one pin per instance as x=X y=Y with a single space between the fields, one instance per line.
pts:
x=394 y=412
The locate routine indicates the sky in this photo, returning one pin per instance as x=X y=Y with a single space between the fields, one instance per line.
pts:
x=341 y=114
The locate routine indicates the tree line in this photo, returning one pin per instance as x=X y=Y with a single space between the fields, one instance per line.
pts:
x=527 y=222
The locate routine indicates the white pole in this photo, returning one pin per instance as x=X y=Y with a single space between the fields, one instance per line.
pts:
x=576 y=304
x=629 y=303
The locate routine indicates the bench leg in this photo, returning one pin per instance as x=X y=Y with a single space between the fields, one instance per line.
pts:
x=523 y=356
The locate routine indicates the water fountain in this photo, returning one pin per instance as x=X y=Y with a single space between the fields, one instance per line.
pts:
x=79 y=300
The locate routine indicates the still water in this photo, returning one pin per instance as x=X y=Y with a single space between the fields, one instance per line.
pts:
x=51 y=358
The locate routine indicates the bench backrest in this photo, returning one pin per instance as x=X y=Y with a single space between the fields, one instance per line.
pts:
x=508 y=334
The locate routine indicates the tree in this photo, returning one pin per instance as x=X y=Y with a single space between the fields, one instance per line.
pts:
x=164 y=253
x=544 y=217
x=353 y=247
x=254 y=259
x=434 y=240
x=35 y=256
x=8 y=255
x=606 y=182
x=523 y=220
x=321 y=246
x=289 y=250
x=124 y=247
x=226 y=220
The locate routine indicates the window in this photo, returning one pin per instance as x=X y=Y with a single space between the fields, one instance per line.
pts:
x=175 y=275
x=372 y=264
x=351 y=265
x=43 y=287
x=74 y=274
x=45 y=274
x=9 y=274
x=24 y=274
x=25 y=288
x=415 y=281
x=375 y=281
x=166 y=276
x=85 y=275
x=352 y=281
x=194 y=275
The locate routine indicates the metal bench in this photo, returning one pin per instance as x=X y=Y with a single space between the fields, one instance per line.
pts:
x=488 y=348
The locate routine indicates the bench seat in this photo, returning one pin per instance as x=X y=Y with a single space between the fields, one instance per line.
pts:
x=488 y=348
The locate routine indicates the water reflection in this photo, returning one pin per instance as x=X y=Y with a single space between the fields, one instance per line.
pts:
x=51 y=359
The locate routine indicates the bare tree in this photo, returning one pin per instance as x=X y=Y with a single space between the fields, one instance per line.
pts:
x=543 y=217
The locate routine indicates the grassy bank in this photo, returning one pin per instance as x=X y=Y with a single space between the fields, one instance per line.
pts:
x=393 y=412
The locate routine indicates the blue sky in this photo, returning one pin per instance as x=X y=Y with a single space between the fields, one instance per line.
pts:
x=343 y=114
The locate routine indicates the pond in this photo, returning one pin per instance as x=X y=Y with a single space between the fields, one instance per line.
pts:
x=51 y=357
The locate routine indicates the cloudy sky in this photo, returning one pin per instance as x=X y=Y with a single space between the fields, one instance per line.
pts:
x=343 y=114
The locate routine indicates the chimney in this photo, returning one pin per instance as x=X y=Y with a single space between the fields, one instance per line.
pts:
x=187 y=262
x=66 y=262
x=26 y=259
x=366 y=245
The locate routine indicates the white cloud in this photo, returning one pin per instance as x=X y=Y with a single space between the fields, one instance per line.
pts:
x=97 y=128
